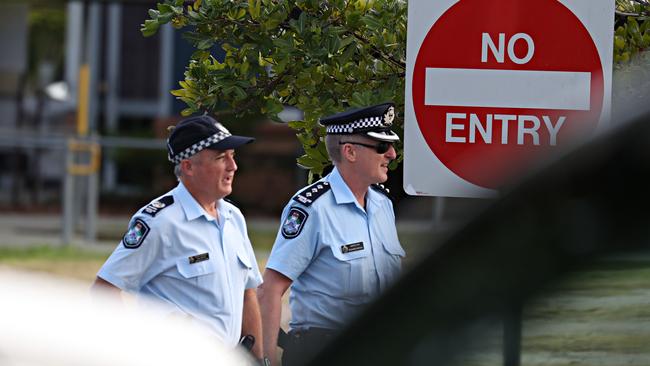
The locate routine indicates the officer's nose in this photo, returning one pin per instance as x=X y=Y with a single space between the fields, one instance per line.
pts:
x=391 y=153
x=231 y=165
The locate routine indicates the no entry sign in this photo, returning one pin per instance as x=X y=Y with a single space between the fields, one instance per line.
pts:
x=494 y=85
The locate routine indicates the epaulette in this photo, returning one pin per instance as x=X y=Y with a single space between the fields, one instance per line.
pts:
x=229 y=200
x=156 y=206
x=382 y=189
x=308 y=195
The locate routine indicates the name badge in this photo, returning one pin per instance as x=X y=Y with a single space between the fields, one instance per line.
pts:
x=347 y=248
x=199 y=258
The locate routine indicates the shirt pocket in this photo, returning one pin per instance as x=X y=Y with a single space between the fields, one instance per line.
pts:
x=194 y=270
x=351 y=272
x=201 y=284
x=391 y=267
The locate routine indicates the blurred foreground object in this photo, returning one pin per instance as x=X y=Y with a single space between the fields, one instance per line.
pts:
x=52 y=322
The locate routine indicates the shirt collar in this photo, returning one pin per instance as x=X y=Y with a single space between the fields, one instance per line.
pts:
x=343 y=194
x=192 y=208
x=340 y=189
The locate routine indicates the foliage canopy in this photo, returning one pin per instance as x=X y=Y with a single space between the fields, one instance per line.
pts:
x=318 y=56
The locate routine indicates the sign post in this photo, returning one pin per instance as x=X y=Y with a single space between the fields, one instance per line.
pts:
x=495 y=85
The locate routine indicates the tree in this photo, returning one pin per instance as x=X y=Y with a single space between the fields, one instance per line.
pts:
x=632 y=29
x=318 y=56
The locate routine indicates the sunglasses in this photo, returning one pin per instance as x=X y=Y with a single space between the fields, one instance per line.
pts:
x=380 y=148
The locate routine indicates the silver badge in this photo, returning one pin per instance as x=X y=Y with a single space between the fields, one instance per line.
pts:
x=221 y=128
x=158 y=204
x=389 y=116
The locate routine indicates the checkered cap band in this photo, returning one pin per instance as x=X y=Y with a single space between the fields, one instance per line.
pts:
x=185 y=154
x=352 y=127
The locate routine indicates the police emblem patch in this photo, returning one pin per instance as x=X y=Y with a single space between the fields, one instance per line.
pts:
x=134 y=237
x=294 y=222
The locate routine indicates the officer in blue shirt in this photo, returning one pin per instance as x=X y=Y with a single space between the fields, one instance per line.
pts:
x=337 y=247
x=189 y=248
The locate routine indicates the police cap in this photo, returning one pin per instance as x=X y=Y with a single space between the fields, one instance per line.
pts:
x=374 y=122
x=194 y=134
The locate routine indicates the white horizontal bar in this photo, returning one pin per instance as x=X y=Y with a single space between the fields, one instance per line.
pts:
x=507 y=88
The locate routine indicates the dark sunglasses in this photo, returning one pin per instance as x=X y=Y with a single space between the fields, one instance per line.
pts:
x=380 y=148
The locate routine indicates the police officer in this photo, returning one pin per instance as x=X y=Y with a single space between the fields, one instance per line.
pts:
x=189 y=248
x=337 y=246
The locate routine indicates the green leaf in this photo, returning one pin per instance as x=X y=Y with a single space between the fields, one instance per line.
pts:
x=296 y=125
x=254 y=8
x=149 y=28
x=309 y=161
x=241 y=13
x=205 y=44
x=178 y=92
x=619 y=42
x=371 y=22
x=646 y=40
x=153 y=14
x=302 y=20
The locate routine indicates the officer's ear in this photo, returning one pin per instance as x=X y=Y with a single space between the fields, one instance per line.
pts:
x=187 y=167
x=348 y=153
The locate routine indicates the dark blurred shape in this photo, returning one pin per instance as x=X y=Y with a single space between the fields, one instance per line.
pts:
x=592 y=202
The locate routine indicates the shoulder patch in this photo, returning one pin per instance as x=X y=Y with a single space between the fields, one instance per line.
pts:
x=382 y=189
x=294 y=222
x=156 y=206
x=308 y=195
x=134 y=237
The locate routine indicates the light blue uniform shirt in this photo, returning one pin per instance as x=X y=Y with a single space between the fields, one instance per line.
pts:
x=196 y=264
x=342 y=256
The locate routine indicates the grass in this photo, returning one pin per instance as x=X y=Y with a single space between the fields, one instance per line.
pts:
x=71 y=262
x=43 y=252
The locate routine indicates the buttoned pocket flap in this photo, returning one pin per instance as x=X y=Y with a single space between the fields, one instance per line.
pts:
x=393 y=247
x=244 y=259
x=189 y=270
x=350 y=255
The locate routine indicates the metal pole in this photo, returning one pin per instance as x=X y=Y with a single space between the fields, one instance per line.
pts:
x=111 y=105
x=91 y=207
x=68 y=198
x=92 y=51
x=166 y=70
x=73 y=43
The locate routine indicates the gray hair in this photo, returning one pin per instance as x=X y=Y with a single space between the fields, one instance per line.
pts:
x=333 y=145
x=177 y=167
x=177 y=170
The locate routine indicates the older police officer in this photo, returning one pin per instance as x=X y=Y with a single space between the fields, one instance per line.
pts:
x=189 y=248
x=337 y=247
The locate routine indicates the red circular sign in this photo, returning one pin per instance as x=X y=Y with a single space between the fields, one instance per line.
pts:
x=561 y=43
